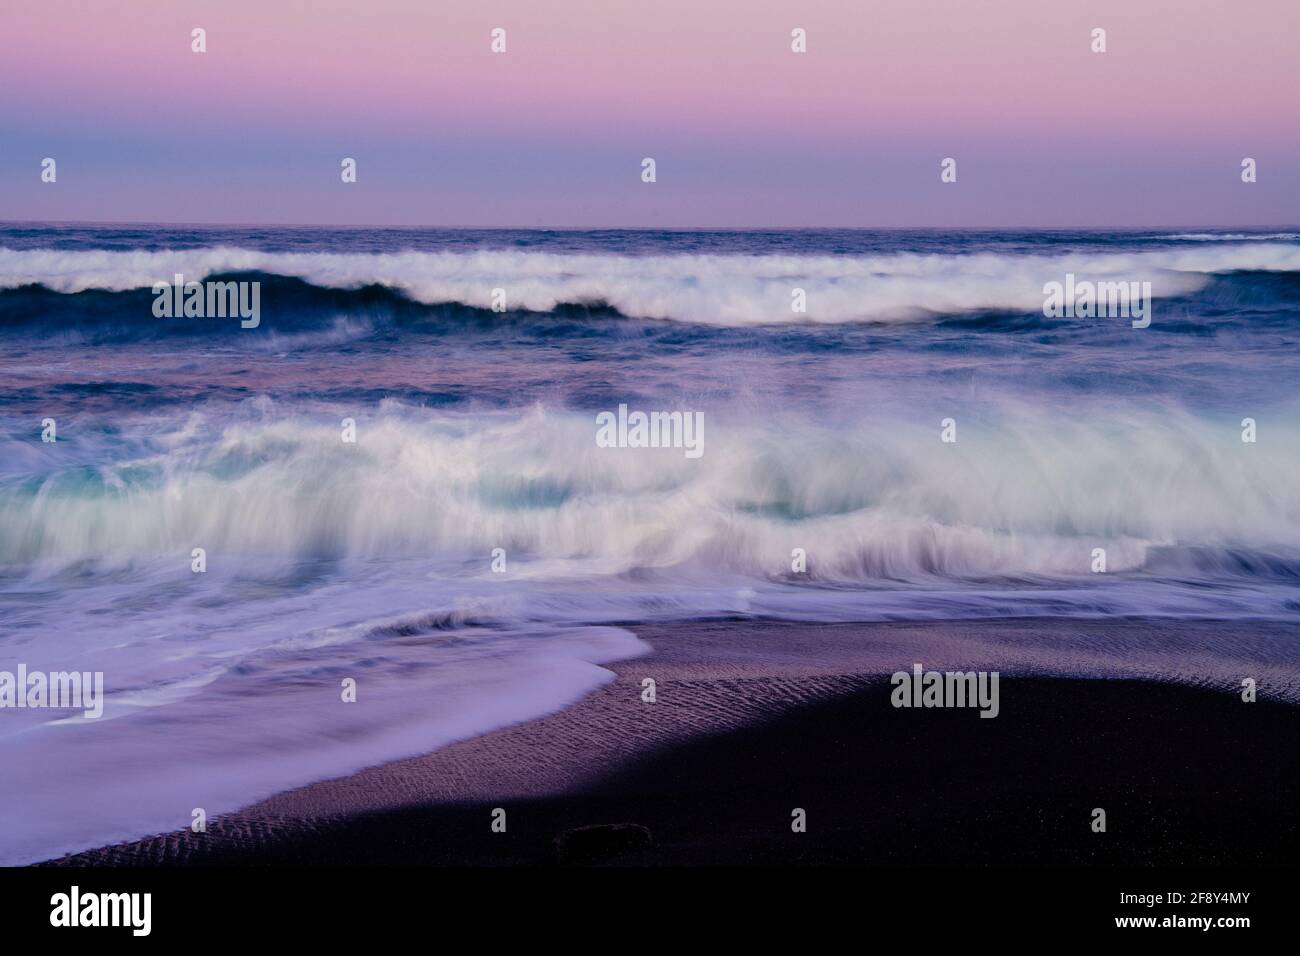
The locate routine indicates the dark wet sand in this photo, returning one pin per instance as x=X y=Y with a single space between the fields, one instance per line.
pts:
x=755 y=719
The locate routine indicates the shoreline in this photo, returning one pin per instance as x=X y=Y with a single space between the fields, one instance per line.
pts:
x=753 y=719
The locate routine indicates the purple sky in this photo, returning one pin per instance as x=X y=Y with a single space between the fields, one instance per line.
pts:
x=745 y=132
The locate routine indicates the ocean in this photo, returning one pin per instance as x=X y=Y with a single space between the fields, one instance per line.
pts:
x=474 y=555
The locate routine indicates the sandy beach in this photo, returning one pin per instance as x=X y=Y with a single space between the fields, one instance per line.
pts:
x=753 y=720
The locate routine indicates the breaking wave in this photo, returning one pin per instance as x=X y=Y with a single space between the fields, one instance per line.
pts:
x=726 y=290
x=1028 y=497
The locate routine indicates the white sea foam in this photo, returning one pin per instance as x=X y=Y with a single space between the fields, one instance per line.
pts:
x=372 y=561
x=713 y=289
x=1031 y=494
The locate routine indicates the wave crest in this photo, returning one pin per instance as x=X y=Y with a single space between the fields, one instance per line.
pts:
x=729 y=290
x=1029 y=496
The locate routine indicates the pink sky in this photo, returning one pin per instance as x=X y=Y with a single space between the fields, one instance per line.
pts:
x=745 y=132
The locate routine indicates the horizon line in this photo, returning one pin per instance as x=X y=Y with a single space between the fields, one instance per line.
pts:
x=6 y=223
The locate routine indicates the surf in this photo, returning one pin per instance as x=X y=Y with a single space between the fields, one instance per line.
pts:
x=720 y=290
x=1025 y=494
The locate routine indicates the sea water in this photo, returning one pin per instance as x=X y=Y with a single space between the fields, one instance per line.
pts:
x=919 y=441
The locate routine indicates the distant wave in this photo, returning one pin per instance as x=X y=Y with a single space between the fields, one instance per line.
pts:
x=725 y=290
x=1233 y=236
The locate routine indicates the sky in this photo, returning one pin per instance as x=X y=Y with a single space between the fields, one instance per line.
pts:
x=744 y=131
